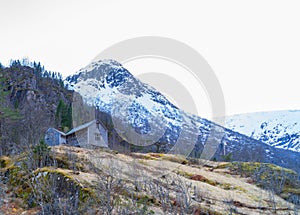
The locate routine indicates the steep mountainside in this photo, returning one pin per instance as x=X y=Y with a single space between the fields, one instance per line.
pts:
x=280 y=129
x=40 y=100
x=138 y=107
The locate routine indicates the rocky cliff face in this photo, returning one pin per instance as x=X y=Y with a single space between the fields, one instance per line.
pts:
x=35 y=96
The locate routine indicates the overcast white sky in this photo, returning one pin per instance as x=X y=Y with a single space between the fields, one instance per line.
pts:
x=253 y=46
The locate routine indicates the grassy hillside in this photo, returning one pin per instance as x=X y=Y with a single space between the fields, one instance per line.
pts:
x=69 y=180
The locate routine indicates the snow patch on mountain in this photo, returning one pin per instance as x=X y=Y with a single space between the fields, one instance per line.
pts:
x=280 y=129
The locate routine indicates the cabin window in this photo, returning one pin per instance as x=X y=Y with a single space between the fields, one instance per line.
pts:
x=97 y=137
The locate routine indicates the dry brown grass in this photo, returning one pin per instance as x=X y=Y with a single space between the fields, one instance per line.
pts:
x=215 y=190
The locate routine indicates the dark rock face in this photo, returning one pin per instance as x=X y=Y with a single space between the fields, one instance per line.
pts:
x=36 y=98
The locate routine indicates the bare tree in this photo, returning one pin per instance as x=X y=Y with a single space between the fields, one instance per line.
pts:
x=230 y=205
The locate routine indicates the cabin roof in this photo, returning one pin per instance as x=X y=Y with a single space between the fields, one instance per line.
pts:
x=81 y=127
x=58 y=131
x=88 y=124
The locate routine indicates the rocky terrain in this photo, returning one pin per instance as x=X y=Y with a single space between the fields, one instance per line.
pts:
x=103 y=181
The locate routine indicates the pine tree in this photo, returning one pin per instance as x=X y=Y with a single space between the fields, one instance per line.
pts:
x=63 y=115
x=15 y=63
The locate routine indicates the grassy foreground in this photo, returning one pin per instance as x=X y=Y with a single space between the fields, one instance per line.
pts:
x=70 y=180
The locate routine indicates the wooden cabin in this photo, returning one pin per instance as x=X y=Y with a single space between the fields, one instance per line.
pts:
x=88 y=135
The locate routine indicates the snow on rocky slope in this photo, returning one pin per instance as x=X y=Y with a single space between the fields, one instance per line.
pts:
x=136 y=106
x=280 y=129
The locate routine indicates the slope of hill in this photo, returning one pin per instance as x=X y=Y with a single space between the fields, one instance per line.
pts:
x=40 y=100
x=103 y=181
x=280 y=129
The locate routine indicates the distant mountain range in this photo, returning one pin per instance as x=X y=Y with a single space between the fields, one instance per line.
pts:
x=111 y=88
x=280 y=129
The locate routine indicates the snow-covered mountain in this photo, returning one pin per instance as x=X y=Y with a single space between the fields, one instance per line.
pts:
x=109 y=87
x=280 y=129
x=138 y=107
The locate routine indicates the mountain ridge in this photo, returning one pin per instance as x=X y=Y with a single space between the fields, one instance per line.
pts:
x=280 y=129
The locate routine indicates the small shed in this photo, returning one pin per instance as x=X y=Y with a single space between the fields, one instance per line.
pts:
x=55 y=137
x=90 y=134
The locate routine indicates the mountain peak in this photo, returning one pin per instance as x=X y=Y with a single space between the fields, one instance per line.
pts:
x=96 y=70
x=104 y=63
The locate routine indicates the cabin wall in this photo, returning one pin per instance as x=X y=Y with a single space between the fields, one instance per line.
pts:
x=72 y=140
x=95 y=137
x=82 y=137
x=52 y=137
x=62 y=139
